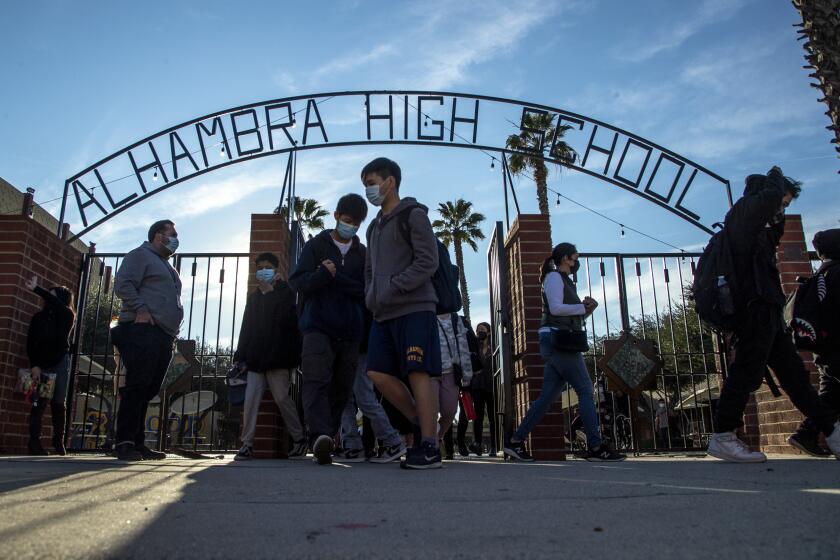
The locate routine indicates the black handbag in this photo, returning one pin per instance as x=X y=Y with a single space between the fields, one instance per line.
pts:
x=569 y=341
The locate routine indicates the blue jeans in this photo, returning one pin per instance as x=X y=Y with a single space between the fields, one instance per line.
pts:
x=561 y=368
x=364 y=398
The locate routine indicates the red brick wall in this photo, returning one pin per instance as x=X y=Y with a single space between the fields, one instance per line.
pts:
x=269 y=233
x=526 y=246
x=26 y=248
x=771 y=420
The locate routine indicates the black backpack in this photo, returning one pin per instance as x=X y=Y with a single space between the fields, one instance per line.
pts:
x=445 y=279
x=714 y=286
x=804 y=312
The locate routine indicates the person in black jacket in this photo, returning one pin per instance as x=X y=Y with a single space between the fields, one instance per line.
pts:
x=269 y=348
x=755 y=225
x=827 y=246
x=330 y=282
x=48 y=347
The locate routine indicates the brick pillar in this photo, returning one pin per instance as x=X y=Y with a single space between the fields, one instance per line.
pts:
x=269 y=233
x=527 y=244
x=26 y=248
x=770 y=420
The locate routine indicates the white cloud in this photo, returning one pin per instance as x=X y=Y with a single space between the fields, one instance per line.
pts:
x=709 y=12
x=352 y=61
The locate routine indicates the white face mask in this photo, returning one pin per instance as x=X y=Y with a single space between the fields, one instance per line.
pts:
x=265 y=275
x=373 y=195
x=171 y=244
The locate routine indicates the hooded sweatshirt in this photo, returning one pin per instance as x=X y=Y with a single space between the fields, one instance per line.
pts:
x=398 y=274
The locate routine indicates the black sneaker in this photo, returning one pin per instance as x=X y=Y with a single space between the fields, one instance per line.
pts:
x=426 y=457
x=126 y=452
x=517 y=451
x=298 y=449
x=807 y=443
x=463 y=451
x=604 y=453
x=476 y=448
x=322 y=450
x=245 y=454
x=389 y=454
x=350 y=456
x=149 y=454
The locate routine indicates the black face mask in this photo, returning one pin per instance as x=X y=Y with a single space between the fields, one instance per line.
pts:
x=482 y=335
x=575 y=267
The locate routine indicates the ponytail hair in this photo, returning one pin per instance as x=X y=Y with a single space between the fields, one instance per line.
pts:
x=549 y=264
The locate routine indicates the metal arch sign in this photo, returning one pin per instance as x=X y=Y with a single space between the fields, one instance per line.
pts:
x=446 y=119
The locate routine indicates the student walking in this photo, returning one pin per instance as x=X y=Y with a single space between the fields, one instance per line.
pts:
x=754 y=226
x=562 y=341
x=150 y=317
x=48 y=347
x=456 y=369
x=404 y=348
x=827 y=246
x=269 y=349
x=481 y=390
x=329 y=279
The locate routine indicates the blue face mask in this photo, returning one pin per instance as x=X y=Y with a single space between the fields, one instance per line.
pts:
x=171 y=244
x=346 y=231
x=265 y=275
x=373 y=195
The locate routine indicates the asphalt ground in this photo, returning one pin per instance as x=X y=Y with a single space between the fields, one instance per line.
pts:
x=663 y=507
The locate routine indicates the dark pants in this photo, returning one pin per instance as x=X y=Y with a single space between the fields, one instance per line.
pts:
x=762 y=340
x=329 y=368
x=829 y=394
x=145 y=351
x=484 y=403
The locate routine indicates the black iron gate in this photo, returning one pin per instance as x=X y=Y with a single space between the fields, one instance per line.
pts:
x=192 y=409
x=643 y=294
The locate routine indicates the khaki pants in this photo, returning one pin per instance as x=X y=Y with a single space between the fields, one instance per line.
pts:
x=278 y=381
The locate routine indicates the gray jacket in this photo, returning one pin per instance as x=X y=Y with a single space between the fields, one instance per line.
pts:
x=398 y=275
x=147 y=281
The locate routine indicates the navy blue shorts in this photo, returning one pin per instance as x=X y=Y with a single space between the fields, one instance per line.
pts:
x=404 y=345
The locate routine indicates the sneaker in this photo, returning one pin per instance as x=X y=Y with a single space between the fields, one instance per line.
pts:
x=298 y=449
x=426 y=457
x=728 y=447
x=604 y=453
x=806 y=441
x=517 y=451
x=833 y=441
x=463 y=451
x=126 y=452
x=322 y=450
x=35 y=448
x=350 y=456
x=245 y=454
x=389 y=454
x=476 y=448
x=149 y=454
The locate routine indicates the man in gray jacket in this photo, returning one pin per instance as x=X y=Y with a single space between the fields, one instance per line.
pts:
x=150 y=317
x=404 y=347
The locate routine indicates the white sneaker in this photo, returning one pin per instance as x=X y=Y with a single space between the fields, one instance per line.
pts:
x=833 y=441
x=728 y=447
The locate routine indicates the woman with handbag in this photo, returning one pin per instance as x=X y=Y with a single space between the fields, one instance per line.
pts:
x=562 y=343
x=48 y=348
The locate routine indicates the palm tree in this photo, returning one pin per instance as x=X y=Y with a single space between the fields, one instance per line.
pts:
x=308 y=213
x=459 y=225
x=529 y=155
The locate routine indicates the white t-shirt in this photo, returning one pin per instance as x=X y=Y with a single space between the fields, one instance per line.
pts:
x=343 y=247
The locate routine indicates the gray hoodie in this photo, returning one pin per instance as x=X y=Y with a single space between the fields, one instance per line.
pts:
x=398 y=275
x=146 y=281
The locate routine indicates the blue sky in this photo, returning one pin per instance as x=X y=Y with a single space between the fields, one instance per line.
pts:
x=717 y=81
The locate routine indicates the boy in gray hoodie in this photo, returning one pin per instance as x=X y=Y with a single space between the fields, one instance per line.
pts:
x=404 y=347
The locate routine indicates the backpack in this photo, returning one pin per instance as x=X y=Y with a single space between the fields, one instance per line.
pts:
x=713 y=289
x=804 y=312
x=445 y=279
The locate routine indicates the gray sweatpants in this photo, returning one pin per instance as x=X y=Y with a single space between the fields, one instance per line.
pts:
x=278 y=381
